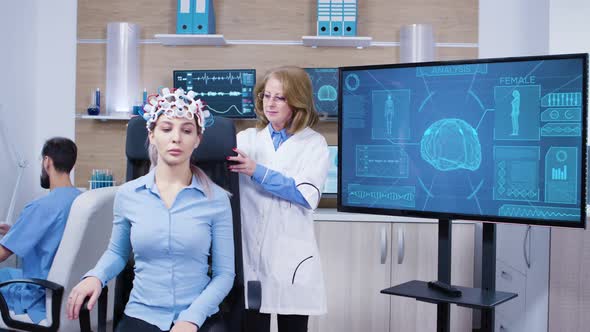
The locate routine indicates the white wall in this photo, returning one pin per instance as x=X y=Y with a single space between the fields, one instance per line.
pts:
x=37 y=86
x=513 y=28
x=569 y=26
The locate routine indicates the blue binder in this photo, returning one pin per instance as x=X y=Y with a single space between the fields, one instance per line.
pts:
x=323 y=28
x=349 y=18
x=203 y=17
x=336 y=10
x=184 y=18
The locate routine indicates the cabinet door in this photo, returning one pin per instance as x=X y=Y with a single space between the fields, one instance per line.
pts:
x=415 y=256
x=356 y=268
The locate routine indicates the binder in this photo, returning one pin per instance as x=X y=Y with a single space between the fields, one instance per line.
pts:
x=204 y=17
x=336 y=11
x=323 y=25
x=349 y=18
x=184 y=21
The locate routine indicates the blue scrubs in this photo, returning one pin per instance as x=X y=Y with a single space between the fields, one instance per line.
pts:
x=35 y=238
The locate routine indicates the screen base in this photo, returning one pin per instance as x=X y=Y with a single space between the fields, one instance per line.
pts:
x=484 y=298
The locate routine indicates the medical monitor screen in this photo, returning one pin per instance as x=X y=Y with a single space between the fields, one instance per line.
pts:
x=331 y=186
x=493 y=140
x=226 y=93
x=324 y=82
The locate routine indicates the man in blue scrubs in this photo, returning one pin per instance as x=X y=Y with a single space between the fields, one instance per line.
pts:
x=37 y=233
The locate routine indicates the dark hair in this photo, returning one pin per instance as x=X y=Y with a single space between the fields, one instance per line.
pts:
x=62 y=151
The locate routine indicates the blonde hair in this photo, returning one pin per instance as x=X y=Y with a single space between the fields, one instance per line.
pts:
x=298 y=92
x=197 y=172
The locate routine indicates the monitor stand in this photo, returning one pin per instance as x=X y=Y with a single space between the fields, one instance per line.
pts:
x=485 y=298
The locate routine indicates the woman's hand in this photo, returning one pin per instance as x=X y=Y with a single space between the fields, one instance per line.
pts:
x=4 y=228
x=184 y=326
x=90 y=286
x=243 y=163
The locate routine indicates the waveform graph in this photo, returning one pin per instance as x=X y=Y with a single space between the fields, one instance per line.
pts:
x=562 y=130
x=382 y=161
x=539 y=212
x=226 y=93
x=216 y=77
x=382 y=196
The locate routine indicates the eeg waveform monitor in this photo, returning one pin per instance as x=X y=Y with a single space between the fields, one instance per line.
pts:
x=493 y=140
x=324 y=82
x=226 y=93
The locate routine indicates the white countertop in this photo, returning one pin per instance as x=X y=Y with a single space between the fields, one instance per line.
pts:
x=326 y=214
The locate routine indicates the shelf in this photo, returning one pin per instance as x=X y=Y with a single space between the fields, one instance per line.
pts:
x=183 y=40
x=121 y=117
x=333 y=41
x=471 y=297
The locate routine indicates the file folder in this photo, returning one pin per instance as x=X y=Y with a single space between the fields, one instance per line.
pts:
x=204 y=17
x=349 y=18
x=323 y=27
x=336 y=11
x=184 y=20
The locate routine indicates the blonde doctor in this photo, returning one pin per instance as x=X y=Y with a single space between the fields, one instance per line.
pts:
x=283 y=165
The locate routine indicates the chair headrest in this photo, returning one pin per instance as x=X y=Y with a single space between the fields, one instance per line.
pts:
x=218 y=141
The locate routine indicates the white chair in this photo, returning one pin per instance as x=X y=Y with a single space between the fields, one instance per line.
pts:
x=85 y=238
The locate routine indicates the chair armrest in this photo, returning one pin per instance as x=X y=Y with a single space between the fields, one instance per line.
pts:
x=84 y=317
x=56 y=298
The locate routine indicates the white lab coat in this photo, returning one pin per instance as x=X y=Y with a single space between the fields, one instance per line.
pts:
x=278 y=236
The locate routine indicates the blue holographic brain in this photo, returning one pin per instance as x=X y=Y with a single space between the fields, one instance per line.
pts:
x=451 y=144
x=327 y=93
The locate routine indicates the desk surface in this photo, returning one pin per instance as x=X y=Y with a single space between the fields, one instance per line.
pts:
x=471 y=297
x=328 y=214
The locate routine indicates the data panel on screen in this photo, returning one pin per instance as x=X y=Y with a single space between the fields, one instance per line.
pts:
x=497 y=139
x=331 y=186
x=227 y=93
x=324 y=82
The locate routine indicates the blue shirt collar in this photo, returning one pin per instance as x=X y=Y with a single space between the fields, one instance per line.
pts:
x=148 y=181
x=282 y=132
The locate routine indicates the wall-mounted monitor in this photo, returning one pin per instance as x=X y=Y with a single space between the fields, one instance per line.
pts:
x=331 y=186
x=493 y=139
x=227 y=93
x=324 y=82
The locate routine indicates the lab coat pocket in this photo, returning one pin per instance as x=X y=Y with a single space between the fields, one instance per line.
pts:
x=294 y=261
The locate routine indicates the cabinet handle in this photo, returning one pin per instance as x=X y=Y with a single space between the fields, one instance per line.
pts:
x=401 y=246
x=502 y=328
x=505 y=274
x=383 y=245
x=526 y=245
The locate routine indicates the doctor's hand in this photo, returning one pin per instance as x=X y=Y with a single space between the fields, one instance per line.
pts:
x=184 y=326
x=4 y=228
x=242 y=163
x=90 y=286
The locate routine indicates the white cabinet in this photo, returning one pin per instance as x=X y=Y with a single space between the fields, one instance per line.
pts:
x=415 y=256
x=356 y=267
x=360 y=259
x=522 y=267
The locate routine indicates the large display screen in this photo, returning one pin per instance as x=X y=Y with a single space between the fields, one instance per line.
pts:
x=494 y=139
x=226 y=93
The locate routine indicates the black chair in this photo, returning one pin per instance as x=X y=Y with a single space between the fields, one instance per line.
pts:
x=218 y=141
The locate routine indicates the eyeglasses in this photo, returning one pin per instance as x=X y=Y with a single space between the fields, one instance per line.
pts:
x=266 y=97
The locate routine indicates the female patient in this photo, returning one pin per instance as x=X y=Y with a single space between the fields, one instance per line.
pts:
x=173 y=217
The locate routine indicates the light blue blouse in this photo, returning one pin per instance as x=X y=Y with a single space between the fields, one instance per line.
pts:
x=171 y=247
